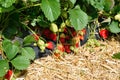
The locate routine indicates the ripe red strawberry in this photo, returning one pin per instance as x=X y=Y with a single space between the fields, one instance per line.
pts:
x=75 y=40
x=52 y=36
x=57 y=55
x=77 y=45
x=84 y=31
x=62 y=40
x=36 y=36
x=50 y=45
x=81 y=37
x=65 y=30
x=46 y=32
x=104 y=33
x=74 y=33
x=71 y=29
x=60 y=47
x=9 y=75
x=67 y=37
x=67 y=48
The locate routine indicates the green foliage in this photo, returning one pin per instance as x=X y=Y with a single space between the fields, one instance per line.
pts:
x=7 y=3
x=98 y=4
x=116 y=56
x=28 y=53
x=51 y=9
x=108 y=4
x=12 y=26
x=4 y=66
x=33 y=0
x=101 y=4
x=28 y=40
x=78 y=18
x=40 y=14
x=20 y=62
x=15 y=56
x=115 y=9
x=73 y=1
x=2 y=9
x=114 y=27
x=10 y=49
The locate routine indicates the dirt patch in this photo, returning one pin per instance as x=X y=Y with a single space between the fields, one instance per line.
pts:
x=91 y=63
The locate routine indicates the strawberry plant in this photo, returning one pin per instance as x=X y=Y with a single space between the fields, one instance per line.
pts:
x=58 y=26
x=15 y=56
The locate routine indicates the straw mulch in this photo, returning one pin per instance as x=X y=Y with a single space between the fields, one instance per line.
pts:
x=89 y=64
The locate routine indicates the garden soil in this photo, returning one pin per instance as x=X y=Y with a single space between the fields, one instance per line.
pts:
x=90 y=63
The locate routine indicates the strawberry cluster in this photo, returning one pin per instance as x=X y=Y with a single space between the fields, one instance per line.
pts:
x=59 y=42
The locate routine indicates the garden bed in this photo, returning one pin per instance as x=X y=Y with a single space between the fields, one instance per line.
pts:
x=89 y=64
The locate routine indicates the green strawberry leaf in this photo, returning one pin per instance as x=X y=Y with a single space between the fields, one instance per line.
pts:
x=73 y=1
x=116 y=56
x=17 y=43
x=7 y=3
x=4 y=66
x=6 y=42
x=108 y=4
x=10 y=49
x=34 y=0
x=51 y=9
x=20 y=62
x=98 y=4
x=28 y=40
x=28 y=52
x=114 y=27
x=78 y=18
x=2 y=9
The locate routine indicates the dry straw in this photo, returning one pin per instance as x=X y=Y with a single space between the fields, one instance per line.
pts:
x=89 y=64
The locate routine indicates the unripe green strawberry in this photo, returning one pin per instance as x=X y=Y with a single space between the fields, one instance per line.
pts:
x=35 y=44
x=42 y=48
x=53 y=27
x=40 y=42
x=67 y=22
x=60 y=30
x=64 y=14
x=62 y=25
x=117 y=17
x=62 y=35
